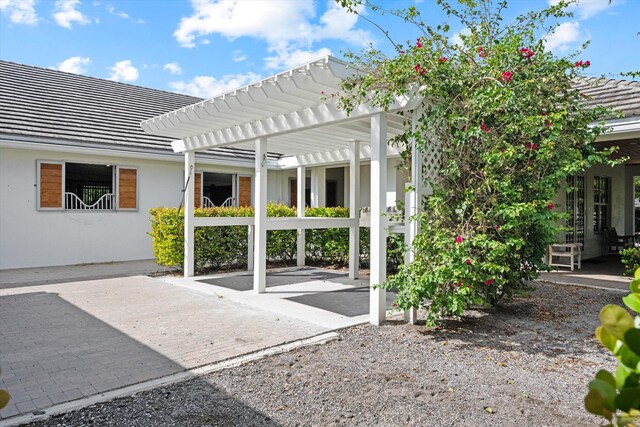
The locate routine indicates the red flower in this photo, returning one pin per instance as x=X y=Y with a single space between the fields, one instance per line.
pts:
x=443 y=59
x=507 y=76
x=458 y=284
x=587 y=64
x=485 y=128
x=418 y=44
x=395 y=305
x=468 y=262
x=547 y=122
x=423 y=71
x=531 y=146
x=582 y=64
x=526 y=52
x=497 y=228
x=459 y=239
x=550 y=206
x=417 y=68
x=482 y=53
x=489 y=282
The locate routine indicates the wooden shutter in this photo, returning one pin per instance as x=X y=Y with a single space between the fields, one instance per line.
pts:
x=127 y=188
x=244 y=191
x=50 y=185
x=197 y=182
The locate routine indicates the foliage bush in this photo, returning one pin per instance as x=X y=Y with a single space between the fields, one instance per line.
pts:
x=501 y=112
x=226 y=247
x=5 y=397
x=631 y=260
x=616 y=397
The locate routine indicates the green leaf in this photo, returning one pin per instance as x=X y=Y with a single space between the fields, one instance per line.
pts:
x=606 y=338
x=629 y=398
x=616 y=320
x=633 y=302
x=629 y=358
x=636 y=274
x=606 y=391
x=5 y=397
x=632 y=340
x=607 y=377
x=635 y=285
x=594 y=403
x=622 y=375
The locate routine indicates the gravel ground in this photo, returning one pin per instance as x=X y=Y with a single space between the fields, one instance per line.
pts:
x=525 y=363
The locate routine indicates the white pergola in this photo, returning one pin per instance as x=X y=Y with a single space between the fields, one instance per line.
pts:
x=294 y=114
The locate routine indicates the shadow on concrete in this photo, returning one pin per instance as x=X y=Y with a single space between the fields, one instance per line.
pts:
x=244 y=282
x=52 y=352
x=348 y=302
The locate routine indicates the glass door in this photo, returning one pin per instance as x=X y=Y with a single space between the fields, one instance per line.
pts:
x=575 y=209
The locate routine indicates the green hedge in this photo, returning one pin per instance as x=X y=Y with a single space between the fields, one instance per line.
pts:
x=226 y=247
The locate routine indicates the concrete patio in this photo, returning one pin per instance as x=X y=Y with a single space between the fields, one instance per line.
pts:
x=65 y=341
x=602 y=272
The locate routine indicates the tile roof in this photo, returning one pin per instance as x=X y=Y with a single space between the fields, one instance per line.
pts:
x=44 y=103
x=622 y=95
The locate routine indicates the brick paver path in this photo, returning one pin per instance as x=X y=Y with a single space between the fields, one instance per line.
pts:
x=64 y=341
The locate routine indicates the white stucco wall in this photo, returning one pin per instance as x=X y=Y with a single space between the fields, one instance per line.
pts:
x=32 y=238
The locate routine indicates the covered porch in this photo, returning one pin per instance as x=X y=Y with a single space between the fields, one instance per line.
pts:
x=292 y=121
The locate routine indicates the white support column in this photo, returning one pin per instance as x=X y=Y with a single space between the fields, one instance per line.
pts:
x=300 y=205
x=378 y=243
x=412 y=207
x=354 y=209
x=250 y=239
x=260 y=245
x=189 y=209
x=347 y=187
x=318 y=186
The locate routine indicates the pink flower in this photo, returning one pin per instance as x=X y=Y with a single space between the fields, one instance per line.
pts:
x=459 y=239
x=468 y=262
x=443 y=59
x=582 y=64
x=587 y=64
x=526 y=52
x=550 y=206
x=485 y=128
x=489 y=282
x=418 y=44
x=507 y=76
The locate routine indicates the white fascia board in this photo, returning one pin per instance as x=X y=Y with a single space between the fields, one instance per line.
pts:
x=624 y=128
x=22 y=143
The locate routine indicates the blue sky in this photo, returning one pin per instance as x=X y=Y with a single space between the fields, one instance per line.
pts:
x=205 y=47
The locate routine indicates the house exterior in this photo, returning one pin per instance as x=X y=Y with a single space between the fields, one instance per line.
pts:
x=604 y=197
x=78 y=174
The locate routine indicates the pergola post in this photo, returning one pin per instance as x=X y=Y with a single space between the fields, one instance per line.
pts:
x=318 y=186
x=354 y=210
x=378 y=242
x=412 y=207
x=189 y=210
x=300 y=205
x=260 y=218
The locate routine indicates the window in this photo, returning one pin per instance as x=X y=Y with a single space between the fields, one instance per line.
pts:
x=218 y=189
x=75 y=186
x=575 y=209
x=600 y=203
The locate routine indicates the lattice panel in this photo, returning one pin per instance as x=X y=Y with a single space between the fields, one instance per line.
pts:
x=431 y=164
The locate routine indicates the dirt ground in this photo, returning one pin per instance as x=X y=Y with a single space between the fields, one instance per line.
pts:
x=526 y=363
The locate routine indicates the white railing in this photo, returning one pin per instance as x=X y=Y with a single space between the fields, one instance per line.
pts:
x=105 y=203
x=207 y=203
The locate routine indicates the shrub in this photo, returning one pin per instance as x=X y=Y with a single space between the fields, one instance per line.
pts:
x=226 y=247
x=617 y=397
x=631 y=260
x=5 y=397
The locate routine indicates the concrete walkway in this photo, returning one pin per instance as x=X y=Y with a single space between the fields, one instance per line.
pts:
x=68 y=340
x=603 y=272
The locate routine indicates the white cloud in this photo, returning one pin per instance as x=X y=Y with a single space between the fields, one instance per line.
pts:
x=208 y=87
x=20 y=11
x=563 y=37
x=585 y=9
x=124 y=15
x=65 y=13
x=456 y=39
x=173 y=68
x=124 y=71
x=238 y=56
x=286 y=25
x=287 y=58
x=75 y=65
